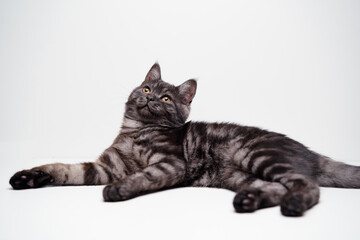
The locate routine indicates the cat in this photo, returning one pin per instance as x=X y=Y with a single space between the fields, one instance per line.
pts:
x=157 y=149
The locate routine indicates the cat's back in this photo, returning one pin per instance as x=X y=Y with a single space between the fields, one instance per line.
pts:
x=207 y=140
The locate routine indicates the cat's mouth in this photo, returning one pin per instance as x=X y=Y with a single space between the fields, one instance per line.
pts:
x=145 y=110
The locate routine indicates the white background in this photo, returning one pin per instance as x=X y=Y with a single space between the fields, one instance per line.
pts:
x=67 y=67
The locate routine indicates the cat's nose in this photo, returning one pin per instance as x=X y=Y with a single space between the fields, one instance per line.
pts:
x=149 y=98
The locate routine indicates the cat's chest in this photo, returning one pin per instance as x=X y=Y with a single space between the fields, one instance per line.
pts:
x=148 y=148
x=134 y=148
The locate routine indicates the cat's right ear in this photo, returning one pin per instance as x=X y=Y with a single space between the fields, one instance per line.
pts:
x=153 y=74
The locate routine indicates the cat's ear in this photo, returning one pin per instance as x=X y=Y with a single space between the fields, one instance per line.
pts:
x=187 y=91
x=153 y=74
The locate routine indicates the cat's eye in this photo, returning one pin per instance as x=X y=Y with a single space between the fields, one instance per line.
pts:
x=146 y=90
x=166 y=99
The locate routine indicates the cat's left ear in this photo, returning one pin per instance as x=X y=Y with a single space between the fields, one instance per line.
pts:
x=187 y=91
x=153 y=74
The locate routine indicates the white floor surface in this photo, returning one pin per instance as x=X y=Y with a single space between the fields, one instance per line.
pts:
x=187 y=213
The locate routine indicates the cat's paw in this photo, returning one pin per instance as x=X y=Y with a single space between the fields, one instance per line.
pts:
x=30 y=179
x=114 y=193
x=247 y=201
x=293 y=205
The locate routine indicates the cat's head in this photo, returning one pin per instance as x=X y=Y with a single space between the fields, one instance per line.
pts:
x=158 y=102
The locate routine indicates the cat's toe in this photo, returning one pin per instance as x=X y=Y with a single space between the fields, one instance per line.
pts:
x=293 y=205
x=30 y=179
x=246 y=201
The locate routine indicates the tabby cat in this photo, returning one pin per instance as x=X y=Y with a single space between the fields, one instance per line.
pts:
x=157 y=149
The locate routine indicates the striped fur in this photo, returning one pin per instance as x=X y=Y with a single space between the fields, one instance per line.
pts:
x=156 y=149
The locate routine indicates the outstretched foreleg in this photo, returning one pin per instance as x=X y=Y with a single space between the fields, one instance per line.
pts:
x=107 y=169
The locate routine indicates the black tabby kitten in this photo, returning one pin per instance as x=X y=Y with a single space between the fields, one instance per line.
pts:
x=156 y=149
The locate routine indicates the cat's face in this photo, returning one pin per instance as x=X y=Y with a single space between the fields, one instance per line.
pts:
x=158 y=102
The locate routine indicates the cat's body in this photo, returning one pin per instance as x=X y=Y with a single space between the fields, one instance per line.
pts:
x=156 y=149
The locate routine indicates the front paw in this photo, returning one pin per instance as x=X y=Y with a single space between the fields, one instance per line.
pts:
x=115 y=192
x=30 y=179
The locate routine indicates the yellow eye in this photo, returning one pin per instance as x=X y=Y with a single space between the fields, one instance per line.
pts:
x=146 y=90
x=166 y=99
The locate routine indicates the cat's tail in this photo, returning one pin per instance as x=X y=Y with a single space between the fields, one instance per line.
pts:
x=337 y=174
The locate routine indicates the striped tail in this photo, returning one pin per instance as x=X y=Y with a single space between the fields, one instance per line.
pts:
x=338 y=174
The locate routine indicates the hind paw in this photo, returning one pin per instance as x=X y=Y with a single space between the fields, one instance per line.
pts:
x=247 y=201
x=293 y=205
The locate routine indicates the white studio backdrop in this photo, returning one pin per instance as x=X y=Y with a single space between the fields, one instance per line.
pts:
x=67 y=67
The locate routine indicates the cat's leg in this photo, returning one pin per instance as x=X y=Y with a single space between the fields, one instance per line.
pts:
x=163 y=174
x=61 y=174
x=253 y=193
x=303 y=192
x=258 y=194
x=107 y=169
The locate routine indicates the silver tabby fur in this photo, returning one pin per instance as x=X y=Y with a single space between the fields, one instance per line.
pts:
x=157 y=149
